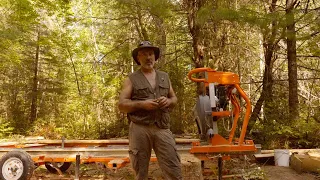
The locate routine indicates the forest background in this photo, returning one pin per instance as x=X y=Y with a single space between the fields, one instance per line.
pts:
x=62 y=63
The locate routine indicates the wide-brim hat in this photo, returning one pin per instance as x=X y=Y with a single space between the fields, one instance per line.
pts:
x=143 y=45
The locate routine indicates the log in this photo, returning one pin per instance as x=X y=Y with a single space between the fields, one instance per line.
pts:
x=191 y=167
x=305 y=163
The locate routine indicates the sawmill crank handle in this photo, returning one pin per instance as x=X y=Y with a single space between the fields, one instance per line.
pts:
x=198 y=70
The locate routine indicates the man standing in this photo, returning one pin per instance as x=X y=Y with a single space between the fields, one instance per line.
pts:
x=147 y=96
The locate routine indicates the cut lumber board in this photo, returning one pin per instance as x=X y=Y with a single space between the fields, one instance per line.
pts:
x=85 y=143
x=314 y=154
x=264 y=155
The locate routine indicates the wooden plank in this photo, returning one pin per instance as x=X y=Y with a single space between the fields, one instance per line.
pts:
x=8 y=144
x=264 y=155
x=314 y=154
x=299 y=151
x=86 y=143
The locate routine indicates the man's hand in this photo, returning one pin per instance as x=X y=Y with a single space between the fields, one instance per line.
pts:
x=150 y=104
x=163 y=102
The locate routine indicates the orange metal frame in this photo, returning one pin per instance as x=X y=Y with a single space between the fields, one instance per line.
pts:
x=110 y=162
x=218 y=143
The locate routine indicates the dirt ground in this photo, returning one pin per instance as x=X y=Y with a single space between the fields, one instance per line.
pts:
x=98 y=172
x=286 y=173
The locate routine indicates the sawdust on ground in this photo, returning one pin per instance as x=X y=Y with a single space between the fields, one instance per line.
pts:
x=285 y=173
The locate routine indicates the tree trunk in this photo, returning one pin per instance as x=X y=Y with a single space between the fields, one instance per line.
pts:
x=74 y=69
x=292 y=61
x=266 y=94
x=179 y=127
x=270 y=46
x=192 y=7
x=141 y=27
x=34 y=94
x=162 y=39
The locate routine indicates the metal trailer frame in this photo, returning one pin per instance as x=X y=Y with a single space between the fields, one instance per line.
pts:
x=113 y=153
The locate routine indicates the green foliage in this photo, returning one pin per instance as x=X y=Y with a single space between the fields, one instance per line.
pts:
x=5 y=129
x=160 y=8
x=277 y=130
x=46 y=129
x=242 y=15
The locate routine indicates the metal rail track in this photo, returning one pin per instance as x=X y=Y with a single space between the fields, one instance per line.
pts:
x=89 y=150
x=84 y=152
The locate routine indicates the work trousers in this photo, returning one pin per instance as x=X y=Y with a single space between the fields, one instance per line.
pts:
x=144 y=138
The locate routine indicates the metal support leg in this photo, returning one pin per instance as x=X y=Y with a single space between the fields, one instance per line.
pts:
x=77 y=167
x=220 y=164
x=202 y=164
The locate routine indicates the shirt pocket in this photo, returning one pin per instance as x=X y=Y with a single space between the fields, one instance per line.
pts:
x=142 y=92
x=164 y=89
